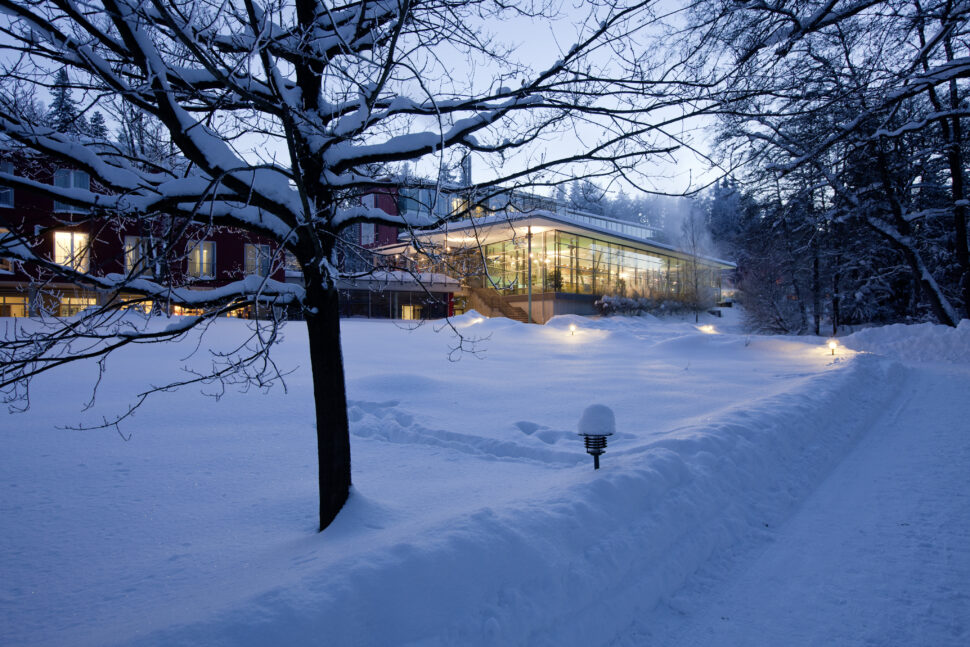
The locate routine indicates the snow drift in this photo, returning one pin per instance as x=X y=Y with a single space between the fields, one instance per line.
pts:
x=476 y=517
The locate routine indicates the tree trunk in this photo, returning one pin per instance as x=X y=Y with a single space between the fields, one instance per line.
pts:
x=816 y=287
x=900 y=235
x=330 y=400
x=951 y=131
x=836 y=297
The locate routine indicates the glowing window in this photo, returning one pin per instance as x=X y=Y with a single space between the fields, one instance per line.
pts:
x=14 y=306
x=71 y=249
x=73 y=305
x=202 y=260
x=410 y=312
x=6 y=265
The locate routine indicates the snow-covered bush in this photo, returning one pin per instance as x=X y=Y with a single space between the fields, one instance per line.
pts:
x=635 y=306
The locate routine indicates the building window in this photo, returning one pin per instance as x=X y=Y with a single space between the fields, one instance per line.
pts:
x=6 y=264
x=138 y=256
x=258 y=259
x=410 y=312
x=6 y=193
x=136 y=303
x=71 y=249
x=72 y=305
x=202 y=260
x=291 y=265
x=368 y=233
x=15 y=306
x=68 y=179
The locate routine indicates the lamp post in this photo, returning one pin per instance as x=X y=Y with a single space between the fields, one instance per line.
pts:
x=529 y=258
x=572 y=330
x=596 y=423
x=833 y=345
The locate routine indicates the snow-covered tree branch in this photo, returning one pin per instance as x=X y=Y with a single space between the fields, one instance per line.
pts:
x=276 y=117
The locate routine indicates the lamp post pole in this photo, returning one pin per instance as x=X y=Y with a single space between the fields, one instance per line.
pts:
x=528 y=237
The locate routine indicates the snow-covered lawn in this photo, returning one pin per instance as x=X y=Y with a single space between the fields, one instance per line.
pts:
x=476 y=516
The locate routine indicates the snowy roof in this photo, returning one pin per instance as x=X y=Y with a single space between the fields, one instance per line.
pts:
x=494 y=228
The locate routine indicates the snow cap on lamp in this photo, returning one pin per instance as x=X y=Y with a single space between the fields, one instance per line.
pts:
x=597 y=420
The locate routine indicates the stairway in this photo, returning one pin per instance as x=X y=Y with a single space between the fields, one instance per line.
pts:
x=490 y=303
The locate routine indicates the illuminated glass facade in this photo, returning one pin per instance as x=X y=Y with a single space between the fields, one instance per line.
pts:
x=571 y=263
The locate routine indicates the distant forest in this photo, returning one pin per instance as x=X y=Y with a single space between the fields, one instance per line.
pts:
x=842 y=141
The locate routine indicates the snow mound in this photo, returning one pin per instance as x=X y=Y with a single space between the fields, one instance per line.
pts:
x=915 y=342
x=604 y=545
x=386 y=422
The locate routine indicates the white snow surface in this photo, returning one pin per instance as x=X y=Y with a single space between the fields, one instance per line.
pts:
x=924 y=342
x=476 y=517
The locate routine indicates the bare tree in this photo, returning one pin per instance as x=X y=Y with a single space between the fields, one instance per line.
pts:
x=864 y=99
x=280 y=115
x=696 y=277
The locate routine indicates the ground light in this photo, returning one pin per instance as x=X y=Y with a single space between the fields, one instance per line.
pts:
x=572 y=329
x=596 y=423
x=833 y=345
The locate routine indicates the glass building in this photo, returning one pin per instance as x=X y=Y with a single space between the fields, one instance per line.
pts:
x=550 y=263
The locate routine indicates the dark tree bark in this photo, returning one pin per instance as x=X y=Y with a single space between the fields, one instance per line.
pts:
x=330 y=399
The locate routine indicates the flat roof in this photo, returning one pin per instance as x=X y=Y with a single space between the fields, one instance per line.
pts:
x=397 y=280
x=496 y=228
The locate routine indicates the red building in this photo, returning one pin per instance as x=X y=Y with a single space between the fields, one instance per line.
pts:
x=193 y=256
x=197 y=257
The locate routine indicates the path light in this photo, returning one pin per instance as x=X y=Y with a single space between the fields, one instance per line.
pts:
x=572 y=329
x=596 y=423
x=833 y=345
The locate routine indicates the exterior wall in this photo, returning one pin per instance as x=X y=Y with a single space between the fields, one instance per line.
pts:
x=395 y=304
x=33 y=217
x=546 y=306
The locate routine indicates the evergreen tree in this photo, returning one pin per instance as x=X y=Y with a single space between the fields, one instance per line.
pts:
x=584 y=195
x=64 y=115
x=562 y=195
x=97 y=127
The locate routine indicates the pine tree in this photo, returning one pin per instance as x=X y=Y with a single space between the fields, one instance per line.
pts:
x=97 y=127
x=64 y=116
x=584 y=195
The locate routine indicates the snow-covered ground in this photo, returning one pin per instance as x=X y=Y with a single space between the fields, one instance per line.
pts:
x=758 y=491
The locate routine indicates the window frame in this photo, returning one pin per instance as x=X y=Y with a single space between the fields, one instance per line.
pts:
x=76 y=179
x=6 y=264
x=262 y=257
x=80 y=255
x=143 y=246
x=371 y=237
x=14 y=305
x=197 y=270
x=68 y=306
x=6 y=192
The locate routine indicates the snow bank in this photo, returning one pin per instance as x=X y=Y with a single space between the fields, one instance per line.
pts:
x=476 y=517
x=608 y=546
x=915 y=343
